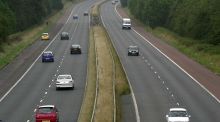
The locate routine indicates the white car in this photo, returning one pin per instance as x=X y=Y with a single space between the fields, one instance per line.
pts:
x=177 y=115
x=64 y=81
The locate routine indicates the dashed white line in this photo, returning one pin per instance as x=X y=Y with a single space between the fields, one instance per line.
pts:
x=41 y=101
x=167 y=88
x=28 y=120
x=178 y=104
x=45 y=92
x=49 y=86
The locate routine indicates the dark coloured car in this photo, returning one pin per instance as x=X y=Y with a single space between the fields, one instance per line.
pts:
x=75 y=49
x=86 y=13
x=47 y=56
x=75 y=16
x=64 y=36
x=133 y=51
x=47 y=113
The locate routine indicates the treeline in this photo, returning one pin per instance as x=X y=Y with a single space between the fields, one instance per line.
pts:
x=18 y=15
x=197 y=19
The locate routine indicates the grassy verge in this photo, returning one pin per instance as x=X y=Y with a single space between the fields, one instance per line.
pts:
x=205 y=54
x=105 y=104
x=89 y=97
x=23 y=39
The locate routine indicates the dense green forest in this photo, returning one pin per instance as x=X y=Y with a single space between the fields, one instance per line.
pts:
x=197 y=19
x=18 y=15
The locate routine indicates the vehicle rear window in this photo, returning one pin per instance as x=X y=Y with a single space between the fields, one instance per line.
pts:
x=45 y=110
x=178 y=114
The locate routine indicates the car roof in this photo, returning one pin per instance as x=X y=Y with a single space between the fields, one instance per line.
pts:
x=65 y=33
x=47 y=106
x=75 y=45
x=177 y=109
x=65 y=75
x=47 y=52
x=126 y=19
x=133 y=46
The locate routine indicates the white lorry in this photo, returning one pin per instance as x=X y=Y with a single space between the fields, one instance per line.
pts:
x=126 y=23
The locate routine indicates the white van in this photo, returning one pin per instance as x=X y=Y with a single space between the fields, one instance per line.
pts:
x=126 y=23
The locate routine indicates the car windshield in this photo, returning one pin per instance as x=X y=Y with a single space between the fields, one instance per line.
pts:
x=45 y=110
x=64 y=77
x=178 y=114
x=45 y=34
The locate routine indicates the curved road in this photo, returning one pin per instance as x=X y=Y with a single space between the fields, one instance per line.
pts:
x=37 y=87
x=157 y=83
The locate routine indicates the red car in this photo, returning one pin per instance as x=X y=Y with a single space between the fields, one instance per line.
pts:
x=47 y=113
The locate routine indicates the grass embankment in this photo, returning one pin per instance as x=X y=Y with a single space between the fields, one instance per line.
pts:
x=109 y=69
x=206 y=54
x=21 y=40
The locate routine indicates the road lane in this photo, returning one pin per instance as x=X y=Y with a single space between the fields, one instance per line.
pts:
x=38 y=86
x=157 y=83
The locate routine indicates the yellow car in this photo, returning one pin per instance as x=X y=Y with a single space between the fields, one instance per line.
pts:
x=45 y=36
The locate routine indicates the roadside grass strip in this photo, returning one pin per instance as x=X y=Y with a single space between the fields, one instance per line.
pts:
x=89 y=95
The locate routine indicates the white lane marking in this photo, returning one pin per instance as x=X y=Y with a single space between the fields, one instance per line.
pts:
x=41 y=100
x=49 y=86
x=35 y=110
x=178 y=104
x=163 y=82
x=167 y=88
x=158 y=76
x=173 y=62
x=28 y=120
x=155 y=72
x=45 y=92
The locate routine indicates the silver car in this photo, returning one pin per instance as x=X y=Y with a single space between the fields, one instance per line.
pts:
x=64 y=81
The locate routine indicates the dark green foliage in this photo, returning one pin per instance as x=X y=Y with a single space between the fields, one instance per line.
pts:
x=17 y=15
x=198 y=19
x=7 y=21
x=124 y=3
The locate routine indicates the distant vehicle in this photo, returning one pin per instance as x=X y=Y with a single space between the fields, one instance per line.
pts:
x=86 y=13
x=45 y=36
x=75 y=49
x=47 y=56
x=133 y=51
x=177 y=115
x=64 y=36
x=75 y=16
x=47 y=113
x=64 y=81
x=126 y=23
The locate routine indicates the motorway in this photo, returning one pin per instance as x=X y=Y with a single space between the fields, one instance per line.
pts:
x=37 y=85
x=157 y=83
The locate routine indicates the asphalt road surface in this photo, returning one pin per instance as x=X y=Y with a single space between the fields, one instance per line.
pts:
x=37 y=86
x=157 y=83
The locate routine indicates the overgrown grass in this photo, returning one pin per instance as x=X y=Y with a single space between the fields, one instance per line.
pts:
x=105 y=101
x=24 y=39
x=89 y=97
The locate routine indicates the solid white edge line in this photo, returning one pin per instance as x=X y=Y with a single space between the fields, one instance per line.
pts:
x=18 y=81
x=172 y=61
